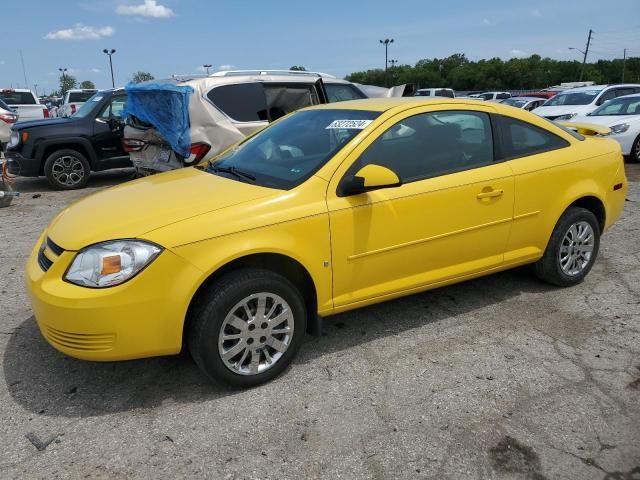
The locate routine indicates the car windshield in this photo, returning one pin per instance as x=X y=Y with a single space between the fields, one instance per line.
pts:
x=88 y=106
x=573 y=98
x=618 y=106
x=515 y=102
x=288 y=152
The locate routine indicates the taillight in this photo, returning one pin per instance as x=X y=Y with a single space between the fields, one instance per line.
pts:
x=197 y=152
x=132 y=145
x=73 y=108
x=8 y=117
x=45 y=112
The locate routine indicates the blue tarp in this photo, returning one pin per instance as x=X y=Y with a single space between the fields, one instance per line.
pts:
x=166 y=107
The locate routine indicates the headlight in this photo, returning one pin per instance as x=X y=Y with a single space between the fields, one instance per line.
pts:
x=111 y=263
x=567 y=116
x=620 y=128
x=14 y=139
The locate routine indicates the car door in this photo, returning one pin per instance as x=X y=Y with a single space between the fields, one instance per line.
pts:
x=449 y=218
x=107 y=134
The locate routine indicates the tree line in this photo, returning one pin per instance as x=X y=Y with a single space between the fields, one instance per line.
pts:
x=68 y=82
x=534 y=72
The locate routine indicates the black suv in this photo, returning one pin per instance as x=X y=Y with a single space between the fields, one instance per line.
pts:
x=66 y=150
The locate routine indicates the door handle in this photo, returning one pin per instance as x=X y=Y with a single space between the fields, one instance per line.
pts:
x=490 y=194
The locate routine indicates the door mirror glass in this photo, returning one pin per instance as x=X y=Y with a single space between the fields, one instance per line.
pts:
x=368 y=178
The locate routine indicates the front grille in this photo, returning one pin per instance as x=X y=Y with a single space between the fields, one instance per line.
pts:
x=43 y=261
x=86 y=342
x=58 y=250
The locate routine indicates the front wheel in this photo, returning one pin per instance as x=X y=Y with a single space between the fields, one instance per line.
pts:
x=249 y=327
x=572 y=249
x=635 y=150
x=67 y=170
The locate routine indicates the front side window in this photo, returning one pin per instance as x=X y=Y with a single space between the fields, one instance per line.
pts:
x=432 y=144
x=288 y=152
x=114 y=108
x=519 y=139
x=487 y=96
x=502 y=96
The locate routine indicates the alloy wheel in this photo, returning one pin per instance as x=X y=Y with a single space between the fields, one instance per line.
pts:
x=576 y=248
x=256 y=333
x=68 y=170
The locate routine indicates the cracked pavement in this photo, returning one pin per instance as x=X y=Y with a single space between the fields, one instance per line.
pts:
x=499 y=377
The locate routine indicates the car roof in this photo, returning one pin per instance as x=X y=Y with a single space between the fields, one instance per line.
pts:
x=384 y=104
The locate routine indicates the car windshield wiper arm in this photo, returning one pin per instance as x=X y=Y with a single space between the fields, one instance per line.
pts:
x=233 y=171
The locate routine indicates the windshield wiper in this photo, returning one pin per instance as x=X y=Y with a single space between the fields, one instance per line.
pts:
x=235 y=171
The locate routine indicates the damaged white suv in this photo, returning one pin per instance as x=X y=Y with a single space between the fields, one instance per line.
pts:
x=180 y=122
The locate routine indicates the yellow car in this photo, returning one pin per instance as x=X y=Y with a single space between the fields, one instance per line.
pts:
x=328 y=209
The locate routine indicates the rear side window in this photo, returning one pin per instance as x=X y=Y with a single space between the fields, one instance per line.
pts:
x=342 y=93
x=80 y=96
x=244 y=102
x=443 y=92
x=17 y=98
x=284 y=99
x=520 y=139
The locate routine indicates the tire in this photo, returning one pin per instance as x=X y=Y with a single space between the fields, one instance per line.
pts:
x=634 y=155
x=222 y=312
x=67 y=170
x=575 y=236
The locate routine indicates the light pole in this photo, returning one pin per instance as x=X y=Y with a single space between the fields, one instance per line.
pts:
x=111 y=52
x=386 y=43
x=64 y=80
x=207 y=66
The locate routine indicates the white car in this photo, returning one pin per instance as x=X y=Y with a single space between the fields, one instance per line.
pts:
x=580 y=101
x=435 y=92
x=622 y=116
x=525 y=103
x=7 y=118
x=24 y=103
x=73 y=100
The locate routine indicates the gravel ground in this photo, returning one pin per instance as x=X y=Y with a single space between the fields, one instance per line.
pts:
x=501 y=377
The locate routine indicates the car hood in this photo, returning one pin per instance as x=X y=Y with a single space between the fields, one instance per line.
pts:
x=41 y=123
x=607 y=120
x=134 y=208
x=563 y=110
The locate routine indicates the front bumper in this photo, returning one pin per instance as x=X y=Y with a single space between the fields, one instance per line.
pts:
x=23 y=166
x=143 y=317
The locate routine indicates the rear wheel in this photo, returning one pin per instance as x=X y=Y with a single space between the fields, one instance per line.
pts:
x=249 y=327
x=572 y=249
x=66 y=170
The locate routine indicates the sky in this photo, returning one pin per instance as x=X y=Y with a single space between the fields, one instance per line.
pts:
x=167 y=37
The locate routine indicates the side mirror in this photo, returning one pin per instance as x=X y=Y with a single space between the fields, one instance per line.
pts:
x=368 y=178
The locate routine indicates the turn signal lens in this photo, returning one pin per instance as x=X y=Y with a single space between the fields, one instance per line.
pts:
x=24 y=136
x=111 y=264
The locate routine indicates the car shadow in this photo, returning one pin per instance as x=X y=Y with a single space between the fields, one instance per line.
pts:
x=107 y=178
x=47 y=382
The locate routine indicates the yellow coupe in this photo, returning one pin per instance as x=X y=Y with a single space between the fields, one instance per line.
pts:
x=328 y=209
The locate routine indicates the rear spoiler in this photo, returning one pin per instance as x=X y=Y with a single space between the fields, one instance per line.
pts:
x=588 y=129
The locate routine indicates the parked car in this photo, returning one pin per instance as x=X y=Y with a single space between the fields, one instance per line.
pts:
x=74 y=99
x=622 y=116
x=546 y=94
x=215 y=112
x=580 y=101
x=435 y=92
x=7 y=118
x=24 y=103
x=526 y=103
x=319 y=213
x=66 y=150
x=494 y=96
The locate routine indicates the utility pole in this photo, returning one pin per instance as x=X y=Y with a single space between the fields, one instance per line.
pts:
x=624 y=63
x=586 y=52
x=24 y=72
x=386 y=43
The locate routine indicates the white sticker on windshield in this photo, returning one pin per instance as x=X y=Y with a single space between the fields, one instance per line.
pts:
x=97 y=99
x=349 y=124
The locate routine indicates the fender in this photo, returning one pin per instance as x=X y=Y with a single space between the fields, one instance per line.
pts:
x=67 y=142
